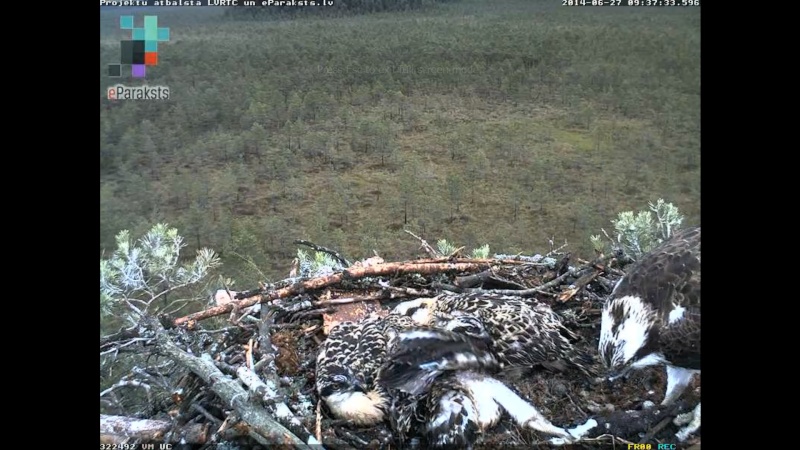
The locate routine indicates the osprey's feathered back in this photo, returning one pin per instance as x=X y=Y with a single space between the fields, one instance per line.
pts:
x=519 y=332
x=653 y=314
x=347 y=368
x=421 y=354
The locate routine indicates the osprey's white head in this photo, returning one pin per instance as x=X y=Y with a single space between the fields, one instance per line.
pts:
x=462 y=323
x=421 y=310
x=627 y=335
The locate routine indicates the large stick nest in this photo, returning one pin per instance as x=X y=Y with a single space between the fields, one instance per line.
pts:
x=282 y=351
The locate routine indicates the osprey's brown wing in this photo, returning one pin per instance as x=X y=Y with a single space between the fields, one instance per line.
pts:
x=668 y=278
x=668 y=275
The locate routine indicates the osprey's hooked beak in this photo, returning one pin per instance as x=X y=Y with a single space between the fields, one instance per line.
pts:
x=358 y=386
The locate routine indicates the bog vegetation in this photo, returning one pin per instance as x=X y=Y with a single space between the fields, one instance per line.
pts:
x=480 y=122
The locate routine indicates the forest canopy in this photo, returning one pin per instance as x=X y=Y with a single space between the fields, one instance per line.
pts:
x=500 y=123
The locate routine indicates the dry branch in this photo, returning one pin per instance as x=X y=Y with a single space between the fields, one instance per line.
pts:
x=122 y=335
x=425 y=246
x=527 y=292
x=282 y=411
x=336 y=255
x=482 y=277
x=322 y=282
x=580 y=284
x=345 y=300
x=597 y=264
x=490 y=261
x=263 y=427
x=388 y=293
x=117 y=428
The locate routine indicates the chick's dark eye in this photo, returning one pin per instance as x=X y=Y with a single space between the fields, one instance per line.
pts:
x=328 y=390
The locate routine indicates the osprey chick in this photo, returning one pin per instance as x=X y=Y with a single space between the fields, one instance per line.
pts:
x=347 y=368
x=460 y=406
x=434 y=369
x=653 y=317
x=349 y=380
x=519 y=332
x=411 y=374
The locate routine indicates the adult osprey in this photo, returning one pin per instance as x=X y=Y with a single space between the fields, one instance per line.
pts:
x=653 y=317
x=520 y=332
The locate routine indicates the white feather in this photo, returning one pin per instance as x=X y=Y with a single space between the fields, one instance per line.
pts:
x=360 y=408
x=676 y=314
x=452 y=404
x=491 y=394
x=421 y=316
x=419 y=334
x=677 y=380
x=652 y=359
x=484 y=391
x=632 y=333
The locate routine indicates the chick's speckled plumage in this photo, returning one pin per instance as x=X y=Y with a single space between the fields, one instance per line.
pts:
x=347 y=368
x=438 y=373
x=520 y=332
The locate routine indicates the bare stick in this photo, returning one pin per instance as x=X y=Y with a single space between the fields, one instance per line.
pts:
x=527 y=260
x=282 y=411
x=318 y=427
x=263 y=427
x=322 y=282
x=388 y=294
x=576 y=405
x=344 y=262
x=540 y=289
x=473 y=280
x=600 y=264
x=580 y=284
x=425 y=246
x=487 y=275
x=553 y=250
x=647 y=437
x=528 y=292
x=408 y=291
x=152 y=430
x=346 y=300
x=206 y=414
x=124 y=383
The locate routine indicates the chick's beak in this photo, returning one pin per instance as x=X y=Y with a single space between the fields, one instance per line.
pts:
x=359 y=387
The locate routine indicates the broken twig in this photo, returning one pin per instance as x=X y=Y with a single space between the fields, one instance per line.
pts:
x=336 y=255
x=425 y=246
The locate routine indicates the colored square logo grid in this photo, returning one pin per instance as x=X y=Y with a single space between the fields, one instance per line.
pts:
x=142 y=49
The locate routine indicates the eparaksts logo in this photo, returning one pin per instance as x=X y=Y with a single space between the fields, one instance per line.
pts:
x=120 y=92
